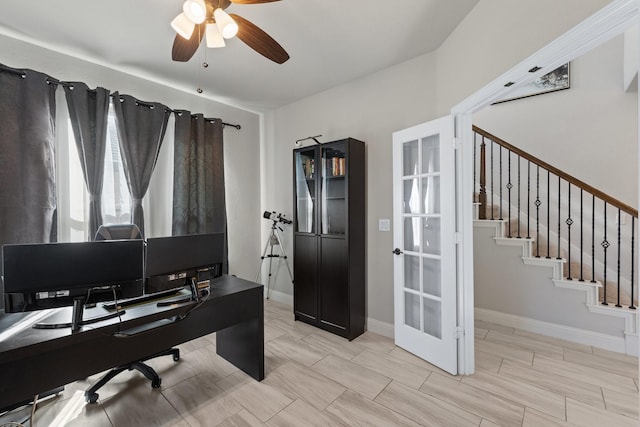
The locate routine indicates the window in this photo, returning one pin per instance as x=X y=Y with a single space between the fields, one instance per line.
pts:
x=73 y=197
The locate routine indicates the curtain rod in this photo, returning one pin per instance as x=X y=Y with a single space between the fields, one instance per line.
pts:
x=51 y=80
x=4 y=68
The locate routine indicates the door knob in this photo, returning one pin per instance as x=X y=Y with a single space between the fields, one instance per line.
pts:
x=397 y=251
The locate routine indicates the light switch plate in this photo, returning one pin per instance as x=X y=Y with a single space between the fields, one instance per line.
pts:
x=384 y=224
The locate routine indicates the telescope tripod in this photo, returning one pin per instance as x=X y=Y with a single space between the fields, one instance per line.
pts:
x=274 y=240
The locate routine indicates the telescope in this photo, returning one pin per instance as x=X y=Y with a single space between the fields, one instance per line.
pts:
x=276 y=217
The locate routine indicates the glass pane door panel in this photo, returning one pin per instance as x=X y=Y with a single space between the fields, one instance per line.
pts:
x=410 y=158
x=432 y=317
x=431 y=236
x=412 y=272
x=412 y=234
x=333 y=189
x=305 y=191
x=431 y=154
x=412 y=310
x=411 y=196
x=431 y=274
x=431 y=194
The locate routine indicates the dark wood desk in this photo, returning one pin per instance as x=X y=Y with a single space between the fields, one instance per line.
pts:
x=35 y=360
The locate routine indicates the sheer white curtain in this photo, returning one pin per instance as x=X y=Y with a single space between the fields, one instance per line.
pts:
x=158 y=202
x=73 y=198
x=116 y=202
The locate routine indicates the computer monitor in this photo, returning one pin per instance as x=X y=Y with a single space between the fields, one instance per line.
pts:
x=49 y=275
x=172 y=261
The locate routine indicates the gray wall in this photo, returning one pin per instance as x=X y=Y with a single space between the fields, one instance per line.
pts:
x=584 y=130
x=496 y=35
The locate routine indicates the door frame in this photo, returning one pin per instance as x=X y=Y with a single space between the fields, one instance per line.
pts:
x=610 y=21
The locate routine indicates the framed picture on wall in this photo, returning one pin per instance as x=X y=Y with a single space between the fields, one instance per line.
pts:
x=554 y=81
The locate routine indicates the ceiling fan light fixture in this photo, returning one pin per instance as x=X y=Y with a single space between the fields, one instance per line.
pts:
x=214 y=38
x=227 y=26
x=195 y=10
x=183 y=26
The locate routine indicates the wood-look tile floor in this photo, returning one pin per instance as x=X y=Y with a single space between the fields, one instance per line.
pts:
x=314 y=378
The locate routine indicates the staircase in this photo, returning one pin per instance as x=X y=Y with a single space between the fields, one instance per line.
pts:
x=582 y=240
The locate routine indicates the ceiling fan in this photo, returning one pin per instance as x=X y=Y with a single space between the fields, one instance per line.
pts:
x=200 y=17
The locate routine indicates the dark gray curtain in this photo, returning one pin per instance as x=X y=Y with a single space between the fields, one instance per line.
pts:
x=141 y=128
x=27 y=159
x=88 y=110
x=198 y=178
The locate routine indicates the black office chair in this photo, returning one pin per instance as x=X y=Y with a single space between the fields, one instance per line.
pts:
x=120 y=232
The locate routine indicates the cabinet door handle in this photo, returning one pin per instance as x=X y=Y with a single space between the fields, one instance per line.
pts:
x=397 y=251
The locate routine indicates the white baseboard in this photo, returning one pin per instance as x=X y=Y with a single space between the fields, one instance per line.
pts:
x=568 y=333
x=280 y=297
x=381 y=328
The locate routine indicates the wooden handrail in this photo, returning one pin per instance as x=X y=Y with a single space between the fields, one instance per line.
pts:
x=575 y=181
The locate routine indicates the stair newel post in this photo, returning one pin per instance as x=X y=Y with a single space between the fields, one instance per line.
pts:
x=581 y=237
x=491 y=164
x=475 y=144
x=559 y=220
x=619 y=220
x=518 y=234
x=633 y=259
x=482 y=197
x=538 y=203
x=593 y=239
x=605 y=246
x=569 y=224
x=509 y=186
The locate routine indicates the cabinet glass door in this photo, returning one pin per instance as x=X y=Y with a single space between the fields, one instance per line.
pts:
x=306 y=172
x=333 y=190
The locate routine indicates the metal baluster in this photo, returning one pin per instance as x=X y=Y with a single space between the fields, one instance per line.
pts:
x=509 y=186
x=501 y=183
x=519 y=236
x=483 y=181
x=633 y=259
x=548 y=214
x=605 y=246
x=559 y=231
x=593 y=239
x=528 y=198
x=581 y=238
x=492 y=213
x=538 y=203
x=569 y=223
x=618 y=303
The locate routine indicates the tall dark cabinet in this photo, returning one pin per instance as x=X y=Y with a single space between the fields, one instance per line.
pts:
x=329 y=236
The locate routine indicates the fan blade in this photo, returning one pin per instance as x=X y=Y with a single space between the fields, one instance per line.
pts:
x=184 y=49
x=259 y=41
x=252 y=1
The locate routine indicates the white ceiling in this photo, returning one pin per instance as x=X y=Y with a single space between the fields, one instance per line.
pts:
x=330 y=42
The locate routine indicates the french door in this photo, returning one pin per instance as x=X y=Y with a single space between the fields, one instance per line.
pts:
x=424 y=239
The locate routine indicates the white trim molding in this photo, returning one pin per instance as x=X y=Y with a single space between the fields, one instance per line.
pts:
x=280 y=297
x=628 y=344
x=381 y=328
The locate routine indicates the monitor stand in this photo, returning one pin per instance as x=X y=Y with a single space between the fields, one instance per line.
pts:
x=76 y=318
x=195 y=296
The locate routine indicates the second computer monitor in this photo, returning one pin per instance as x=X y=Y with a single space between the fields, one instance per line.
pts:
x=171 y=261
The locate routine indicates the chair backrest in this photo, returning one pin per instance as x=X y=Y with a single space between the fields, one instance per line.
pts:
x=118 y=232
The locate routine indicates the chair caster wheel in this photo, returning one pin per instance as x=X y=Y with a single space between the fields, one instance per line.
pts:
x=156 y=383
x=91 y=398
x=176 y=356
